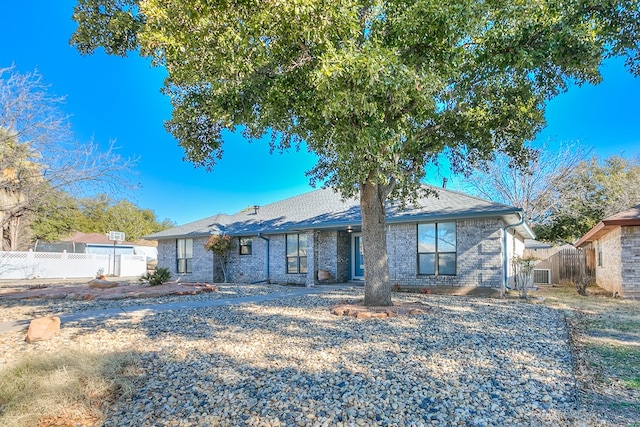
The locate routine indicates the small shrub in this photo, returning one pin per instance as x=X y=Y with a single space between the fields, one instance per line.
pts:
x=158 y=277
x=426 y=291
x=396 y=288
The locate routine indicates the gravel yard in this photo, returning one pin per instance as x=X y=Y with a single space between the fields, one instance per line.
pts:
x=30 y=308
x=467 y=361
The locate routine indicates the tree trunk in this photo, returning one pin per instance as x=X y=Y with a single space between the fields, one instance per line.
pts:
x=13 y=232
x=223 y=262
x=377 y=289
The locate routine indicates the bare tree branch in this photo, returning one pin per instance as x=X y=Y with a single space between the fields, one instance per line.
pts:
x=532 y=187
x=39 y=154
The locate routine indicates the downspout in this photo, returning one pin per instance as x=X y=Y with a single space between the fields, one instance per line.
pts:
x=266 y=267
x=505 y=261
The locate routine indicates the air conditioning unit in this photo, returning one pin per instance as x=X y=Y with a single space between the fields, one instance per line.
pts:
x=542 y=276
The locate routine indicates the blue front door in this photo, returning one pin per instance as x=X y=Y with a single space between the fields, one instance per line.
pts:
x=358 y=258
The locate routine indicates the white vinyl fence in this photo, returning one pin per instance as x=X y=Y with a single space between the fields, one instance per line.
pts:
x=62 y=265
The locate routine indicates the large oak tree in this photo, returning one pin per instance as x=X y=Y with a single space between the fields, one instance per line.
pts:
x=375 y=89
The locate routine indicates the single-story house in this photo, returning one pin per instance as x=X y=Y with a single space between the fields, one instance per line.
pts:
x=453 y=239
x=86 y=243
x=97 y=243
x=616 y=241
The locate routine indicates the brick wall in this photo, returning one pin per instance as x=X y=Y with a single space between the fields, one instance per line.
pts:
x=630 y=260
x=479 y=257
x=202 y=260
x=343 y=266
x=609 y=274
x=248 y=268
x=333 y=254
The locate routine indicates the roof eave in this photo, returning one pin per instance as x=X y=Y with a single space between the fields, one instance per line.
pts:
x=176 y=236
x=590 y=235
x=504 y=214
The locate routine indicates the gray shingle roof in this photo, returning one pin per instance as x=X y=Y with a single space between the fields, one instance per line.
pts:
x=323 y=209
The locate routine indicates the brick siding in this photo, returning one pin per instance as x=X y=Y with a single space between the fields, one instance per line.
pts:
x=609 y=274
x=479 y=257
x=630 y=260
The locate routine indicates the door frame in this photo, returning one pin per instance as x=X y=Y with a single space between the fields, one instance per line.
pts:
x=354 y=258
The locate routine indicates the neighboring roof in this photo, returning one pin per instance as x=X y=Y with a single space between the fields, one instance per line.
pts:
x=624 y=218
x=93 y=239
x=534 y=244
x=325 y=209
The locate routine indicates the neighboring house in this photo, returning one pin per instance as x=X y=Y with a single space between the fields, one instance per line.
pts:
x=616 y=241
x=534 y=245
x=96 y=243
x=453 y=239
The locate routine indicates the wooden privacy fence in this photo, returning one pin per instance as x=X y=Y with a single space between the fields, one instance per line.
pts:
x=567 y=264
x=574 y=265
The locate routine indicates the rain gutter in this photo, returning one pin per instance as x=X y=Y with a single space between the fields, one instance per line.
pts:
x=505 y=260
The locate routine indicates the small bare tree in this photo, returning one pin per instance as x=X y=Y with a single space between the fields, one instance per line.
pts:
x=38 y=153
x=523 y=271
x=220 y=245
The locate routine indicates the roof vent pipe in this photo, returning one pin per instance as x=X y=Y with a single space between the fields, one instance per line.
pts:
x=444 y=182
x=256 y=208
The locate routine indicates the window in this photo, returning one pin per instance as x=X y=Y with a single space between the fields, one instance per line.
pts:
x=245 y=246
x=437 y=249
x=599 y=247
x=184 y=251
x=296 y=253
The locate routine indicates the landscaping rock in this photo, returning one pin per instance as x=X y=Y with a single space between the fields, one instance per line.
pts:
x=102 y=284
x=43 y=329
x=360 y=311
x=455 y=365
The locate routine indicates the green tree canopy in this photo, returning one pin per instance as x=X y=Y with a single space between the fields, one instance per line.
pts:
x=100 y=214
x=375 y=89
x=596 y=190
x=57 y=216
x=61 y=214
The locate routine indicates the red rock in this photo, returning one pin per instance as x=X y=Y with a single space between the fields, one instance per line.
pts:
x=338 y=311
x=416 y=311
x=381 y=315
x=102 y=284
x=390 y=313
x=363 y=315
x=43 y=329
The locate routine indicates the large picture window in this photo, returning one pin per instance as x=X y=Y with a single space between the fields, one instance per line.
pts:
x=296 y=253
x=437 y=249
x=184 y=251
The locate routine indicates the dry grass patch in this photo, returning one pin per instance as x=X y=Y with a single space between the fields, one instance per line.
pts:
x=69 y=388
x=605 y=333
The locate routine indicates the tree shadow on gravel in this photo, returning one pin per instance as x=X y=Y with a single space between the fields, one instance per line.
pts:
x=465 y=359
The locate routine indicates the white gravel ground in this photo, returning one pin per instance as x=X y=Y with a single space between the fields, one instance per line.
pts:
x=467 y=362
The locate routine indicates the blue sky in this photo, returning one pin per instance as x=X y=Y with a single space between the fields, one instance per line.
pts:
x=110 y=97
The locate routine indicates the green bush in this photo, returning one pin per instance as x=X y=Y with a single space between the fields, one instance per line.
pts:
x=158 y=277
